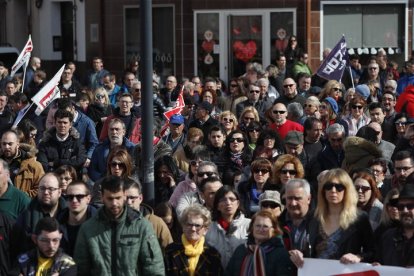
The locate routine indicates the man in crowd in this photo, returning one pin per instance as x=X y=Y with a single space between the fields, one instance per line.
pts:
x=25 y=170
x=94 y=76
x=386 y=147
x=281 y=124
x=169 y=93
x=135 y=197
x=203 y=120
x=35 y=64
x=313 y=135
x=47 y=258
x=388 y=102
x=129 y=78
x=176 y=137
x=113 y=90
x=70 y=84
x=333 y=153
x=215 y=145
x=6 y=116
x=403 y=167
x=7 y=263
x=75 y=214
x=304 y=82
x=253 y=99
x=11 y=88
x=129 y=232
x=270 y=201
x=290 y=93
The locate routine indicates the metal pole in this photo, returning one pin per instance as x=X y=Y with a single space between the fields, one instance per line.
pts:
x=147 y=101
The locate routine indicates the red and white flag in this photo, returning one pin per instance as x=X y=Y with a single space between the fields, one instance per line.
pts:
x=48 y=93
x=23 y=58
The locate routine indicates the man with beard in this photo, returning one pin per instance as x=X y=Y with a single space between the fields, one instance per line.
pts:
x=396 y=247
x=281 y=124
x=78 y=211
x=25 y=171
x=119 y=233
x=47 y=203
x=115 y=138
x=388 y=102
x=47 y=258
x=403 y=167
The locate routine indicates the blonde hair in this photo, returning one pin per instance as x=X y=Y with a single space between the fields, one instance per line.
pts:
x=249 y=109
x=232 y=116
x=102 y=91
x=349 y=211
x=328 y=87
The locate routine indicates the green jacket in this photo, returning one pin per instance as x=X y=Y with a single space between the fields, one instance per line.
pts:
x=124 y=247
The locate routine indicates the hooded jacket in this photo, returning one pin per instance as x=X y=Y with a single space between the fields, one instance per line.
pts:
x=160 y=228
x=358 y=152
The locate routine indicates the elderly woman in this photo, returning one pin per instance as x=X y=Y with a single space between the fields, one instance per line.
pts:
x=193 y=256
x=264 y=250
x=311 y=107
x=250 y=191
x=230 y=227
x=339 y=230
x=229 y=121
x=286 y=167
x=368 y=197
x=357 y=118
x=100 y=108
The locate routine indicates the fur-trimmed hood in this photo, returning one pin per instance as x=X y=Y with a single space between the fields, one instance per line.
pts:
x=358 y=152
x=30 y=150
x=50 y=134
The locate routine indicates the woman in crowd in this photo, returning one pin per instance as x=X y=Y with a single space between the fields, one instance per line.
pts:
x=348 y=96
x=329 y=111
x=292 y=53
x=100 y=108
x=270 y=139
x=400 y=123
x=357 y=118
x=375 y=91
x=339 y=230
x=369 y=197
x=286 y=167
x=229 y=121
x=193 y=256
x=261 y=173
x=184 y=154
x=378 y=167
x=236 y=95
x=230 y=227
x=210 y=96
x=311 y=107
x=167 y=176
x=236 y=154
x=333 y=89
x=248 y=115
x=67 y=175
x=390 y=216
x=253 y=131
x=28 y=132
x=264 y=250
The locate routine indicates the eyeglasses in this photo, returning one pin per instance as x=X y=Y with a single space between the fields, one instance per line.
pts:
x=286 y=171
x=194 y=163
x=228 y=120
x=208 y=174
x=248 y=118
x=195 y=225
x=288 y=85
x=409 y=206
x=263 y=171
x=99 y=96
x=117 y=164
x=132 y=197
x=264 y=227
x=373 y=68
x=401 y=169
x=49 y=189
x=364 y=189
x=271 y=205
x=330 y=185
x=231 y=199
x=66 y=178
x=357 y=106
x=238 y=140
x=278 y=111
x=254 y=91
x=78 y=197
x=400 y=123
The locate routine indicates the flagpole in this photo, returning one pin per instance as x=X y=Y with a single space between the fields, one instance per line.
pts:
x=27 y=110
x=24 y=76
x=352 y=78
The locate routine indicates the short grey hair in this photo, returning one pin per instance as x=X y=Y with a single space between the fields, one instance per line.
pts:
x=313 y=100
x=335 y=128
x=263 y=81
x=208 y=163
x=295 y=110
x=297 y=183
x=196 y=210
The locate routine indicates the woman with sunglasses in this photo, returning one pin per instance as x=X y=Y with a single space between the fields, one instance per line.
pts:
x=264 y=249
x=339 y=230
x=250 y=191
x=311 y=107
x=230 y=227
x=357 y=118
x=248 y=115
x=333 y=89
x=229 y=121
x=236 y=95
x=400 y=123
x=369 y=197
x=390 y=216
x=285 y=168
x=253 y=132
x=100 y=108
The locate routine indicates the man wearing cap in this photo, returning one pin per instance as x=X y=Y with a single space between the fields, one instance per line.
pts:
x=294 y=146
x=176 y=136
x=396 y=247
x=290 y=93
x=270 y=201
x=281 y=124
x=203 y=120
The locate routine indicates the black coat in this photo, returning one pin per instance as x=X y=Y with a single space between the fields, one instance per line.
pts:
x=96 y=112
x=395 y=250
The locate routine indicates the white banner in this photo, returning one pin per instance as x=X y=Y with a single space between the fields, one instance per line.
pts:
x=23 y=58
x=322 y=267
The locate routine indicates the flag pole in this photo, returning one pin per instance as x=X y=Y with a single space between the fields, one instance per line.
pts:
x=352 y=78
x=24 y=76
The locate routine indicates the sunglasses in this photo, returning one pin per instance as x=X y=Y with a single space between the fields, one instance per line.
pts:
x=228 y=120
x=364 y=189
x=208 y=174
x=271 y=205
x=357 y=106
x=99 y=96
x=248 y=119
x=233 y=85
x=278 y=111
x=373 y=68
x=78 y=197
x=401 y=207
x=322 y=107
x=254 y=91
x=238 y=140
x=336 y=89
x=286 y=171
x=254 y=130
x=117 y=164
x=194 y=163
x=307 y=105
x=263 y=171
x=400 y=123
x=330 y=185
x=288 y=85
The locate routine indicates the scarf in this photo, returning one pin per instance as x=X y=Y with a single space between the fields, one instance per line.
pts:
x=254 y=262
x=254 y=193
x=193 y=253
x=223 y=223
x=236 y=158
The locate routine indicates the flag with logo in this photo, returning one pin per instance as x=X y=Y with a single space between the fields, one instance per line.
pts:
x=48 y=93
x=333 y=66
x=23 y=58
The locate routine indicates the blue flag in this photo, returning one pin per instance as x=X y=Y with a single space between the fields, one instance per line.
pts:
x=334 y=64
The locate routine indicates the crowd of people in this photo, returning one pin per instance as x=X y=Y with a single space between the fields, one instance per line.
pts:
x=251 y=177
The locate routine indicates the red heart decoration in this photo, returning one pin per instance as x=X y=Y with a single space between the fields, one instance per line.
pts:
x=208 y=46
x=244 y=52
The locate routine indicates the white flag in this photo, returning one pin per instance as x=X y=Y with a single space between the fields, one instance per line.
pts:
x=23 y=58
x=48 y=93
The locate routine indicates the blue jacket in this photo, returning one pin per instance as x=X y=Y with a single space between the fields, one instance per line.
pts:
x=87 y=132
x=403 y=82
x=97 y=168
x=113 y=97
